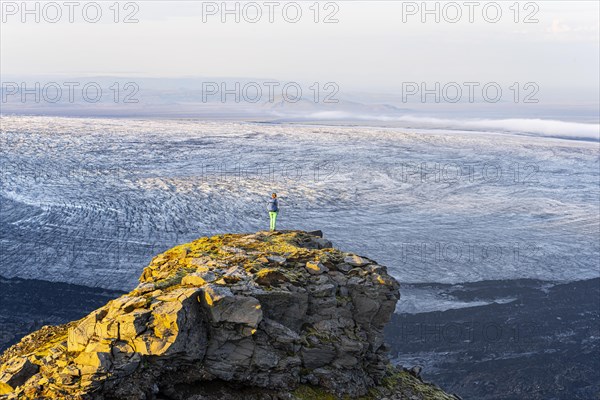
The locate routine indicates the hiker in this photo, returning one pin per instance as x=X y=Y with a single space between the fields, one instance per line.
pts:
x=273 y=209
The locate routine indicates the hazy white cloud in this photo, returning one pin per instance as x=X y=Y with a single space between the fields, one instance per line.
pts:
x=559 y=27
x=370 y=48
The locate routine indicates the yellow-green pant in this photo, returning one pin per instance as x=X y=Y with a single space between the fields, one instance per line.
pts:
x=273 y=216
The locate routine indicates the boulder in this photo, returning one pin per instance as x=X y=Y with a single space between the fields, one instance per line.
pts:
x=18 y=371
x=222 y=306
x=315 y=268
x=93 y=362
x=193 y=279
x=356 y=261
x=270 y=277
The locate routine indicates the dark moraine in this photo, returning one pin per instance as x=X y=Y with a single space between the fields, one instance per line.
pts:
x=26 y=305
x=543 y=345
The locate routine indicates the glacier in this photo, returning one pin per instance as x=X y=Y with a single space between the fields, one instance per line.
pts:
x=91 y=200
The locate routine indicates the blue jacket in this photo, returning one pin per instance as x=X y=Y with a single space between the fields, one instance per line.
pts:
x=273 y=205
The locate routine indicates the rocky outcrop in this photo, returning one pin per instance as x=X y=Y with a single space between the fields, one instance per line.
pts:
x=262 y=316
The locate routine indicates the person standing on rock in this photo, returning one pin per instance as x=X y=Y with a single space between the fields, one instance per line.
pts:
x=273 y=209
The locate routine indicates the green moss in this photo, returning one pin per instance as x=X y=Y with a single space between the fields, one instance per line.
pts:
x=165 y=267
x=171 y=280
x=396 y=382
x=329 y=257
x=321 y=336
x=400 y=381
x=265 y=271
x=306 y=392
x=39 y=342
x=44 y=350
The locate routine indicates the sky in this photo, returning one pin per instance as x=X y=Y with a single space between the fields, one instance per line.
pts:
x=374 y=46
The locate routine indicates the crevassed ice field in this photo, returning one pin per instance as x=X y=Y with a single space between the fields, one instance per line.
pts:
x=91 y=201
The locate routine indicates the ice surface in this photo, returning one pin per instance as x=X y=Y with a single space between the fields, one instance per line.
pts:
x=415 y=300
x=90 y=201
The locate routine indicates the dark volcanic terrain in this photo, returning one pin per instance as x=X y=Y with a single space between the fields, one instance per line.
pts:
x=26 y=305
x=543 y=345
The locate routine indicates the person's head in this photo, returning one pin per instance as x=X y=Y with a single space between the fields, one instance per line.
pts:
x=274 y=195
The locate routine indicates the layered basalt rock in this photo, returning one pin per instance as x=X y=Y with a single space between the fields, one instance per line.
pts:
x=265 y=315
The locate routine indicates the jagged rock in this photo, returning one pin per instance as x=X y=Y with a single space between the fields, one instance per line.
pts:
x=416 y=371
x=315 y=268
x=276 y=259
x=229 y=317
x=271 y=277
x=317 y=357
x=223 y=306
x=343 y=267
x=93 y=362
x=194 y=279
x=18 y=371
x=356 y=261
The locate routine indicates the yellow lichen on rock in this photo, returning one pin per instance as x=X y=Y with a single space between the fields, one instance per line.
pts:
x=193 y=279
x=269 y=310
x=5 y=389
x=208 y=299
